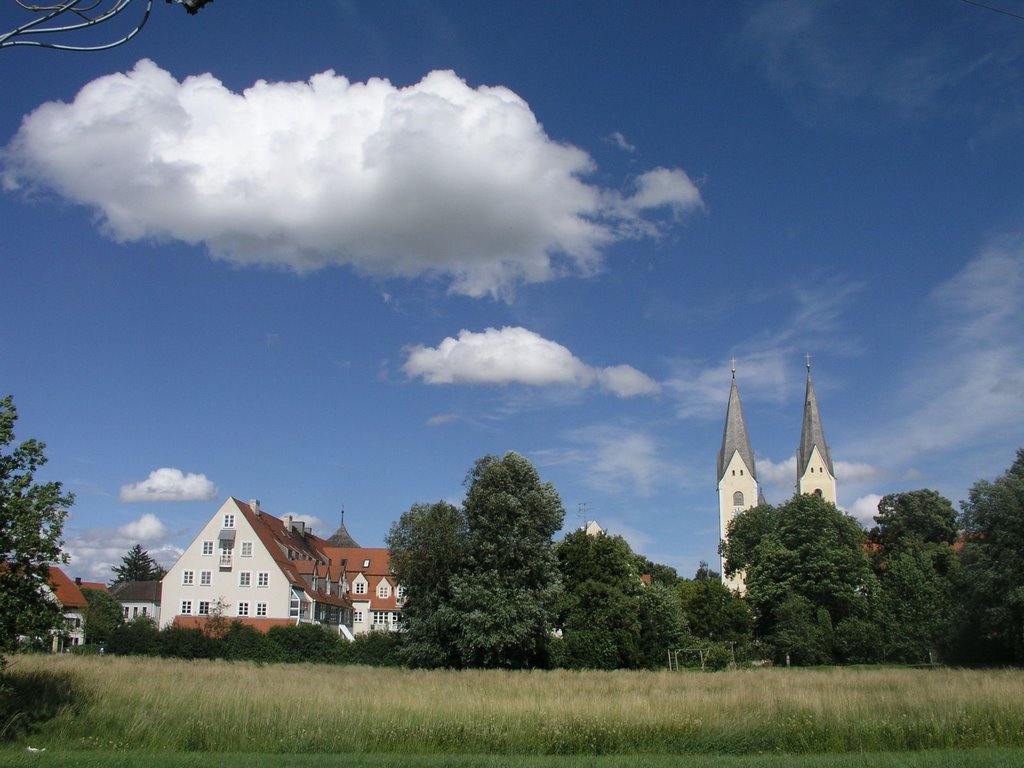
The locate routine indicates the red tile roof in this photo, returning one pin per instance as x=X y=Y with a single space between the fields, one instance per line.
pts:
x=68 y=594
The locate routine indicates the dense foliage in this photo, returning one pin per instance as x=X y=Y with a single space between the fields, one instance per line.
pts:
x=482 y=582
x=31 y=522
x=993 y=561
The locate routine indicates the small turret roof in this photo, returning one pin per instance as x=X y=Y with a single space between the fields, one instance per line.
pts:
x=341 y=537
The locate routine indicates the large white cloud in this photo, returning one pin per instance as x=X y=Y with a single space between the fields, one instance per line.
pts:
x=513 y=355
x=169 y=484
x=436 y=178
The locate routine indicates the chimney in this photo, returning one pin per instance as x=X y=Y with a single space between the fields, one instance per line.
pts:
x=287 y=520
x=78 y=581
x=255 y=504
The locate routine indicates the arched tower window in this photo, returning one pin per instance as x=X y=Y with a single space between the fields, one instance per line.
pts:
x=737 y=499
x=817 y=492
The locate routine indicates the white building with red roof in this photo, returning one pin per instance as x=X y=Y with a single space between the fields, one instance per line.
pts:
x=249 y=566
x=375 y=593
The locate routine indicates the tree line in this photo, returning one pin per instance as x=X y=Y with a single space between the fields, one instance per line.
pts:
x=487 y=586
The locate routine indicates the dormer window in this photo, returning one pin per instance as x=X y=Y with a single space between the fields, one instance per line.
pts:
x=384 y=590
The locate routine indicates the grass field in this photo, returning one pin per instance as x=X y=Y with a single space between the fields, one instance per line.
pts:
x=108 y=710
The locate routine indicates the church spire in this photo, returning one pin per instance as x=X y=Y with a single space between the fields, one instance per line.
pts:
x=814 y=470
x=734 y=436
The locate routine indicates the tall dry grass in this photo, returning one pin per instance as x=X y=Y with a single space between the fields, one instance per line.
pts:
x=152 y=704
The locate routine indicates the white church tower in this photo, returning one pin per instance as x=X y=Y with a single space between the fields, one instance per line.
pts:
x=737 y=476
x=814 y=471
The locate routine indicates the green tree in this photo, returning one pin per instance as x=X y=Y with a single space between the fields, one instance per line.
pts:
x=506 y=596
x=922 y=516
x=713 y=611
x=805 y=548
x=428 y=547
x=103 y=615
x=611 y=619
x=599 y=607
x=31 y=522
x=137 y=565
x=913 y=557
x=481 y=582
x=993 y=563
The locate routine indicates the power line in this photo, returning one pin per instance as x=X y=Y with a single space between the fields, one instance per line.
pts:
x=994 y=9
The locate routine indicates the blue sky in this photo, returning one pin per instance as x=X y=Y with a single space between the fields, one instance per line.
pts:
x=329 y=254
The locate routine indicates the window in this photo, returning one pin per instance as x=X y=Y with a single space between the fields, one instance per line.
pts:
x=261 y=609
x=229 y=520
x=263 y=579
x=395 y=618
x=205 y=578
x=188 y=578
x=246 y=549
x=186 y=607
x=204 y=607
x=384 y=590
x=126 y=612
x=145 y=611
x=207 y=548
x=379 y=617
x=399 y=594
x=357 y=617
x=135 y=611
x=243 y=609
x=225 y=553
x=741 y=473
x=245 y=578
x=817 y=492
x=366 y=563
x=737 y=499
x=360 y=588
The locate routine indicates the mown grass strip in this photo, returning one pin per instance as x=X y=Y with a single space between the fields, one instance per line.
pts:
x=984 y=758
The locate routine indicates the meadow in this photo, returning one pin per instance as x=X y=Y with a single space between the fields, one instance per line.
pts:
x=103 y=709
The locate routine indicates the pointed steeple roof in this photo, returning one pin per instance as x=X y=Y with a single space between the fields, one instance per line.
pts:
x=811 y=434
x=734 y=436
x=341 y=537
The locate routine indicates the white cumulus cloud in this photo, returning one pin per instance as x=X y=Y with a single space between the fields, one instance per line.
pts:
x=513 y=355
x=865 y=508
x=434 y=179
x=169 y=484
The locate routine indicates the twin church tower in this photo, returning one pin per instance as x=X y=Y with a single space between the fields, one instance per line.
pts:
x=738 y=488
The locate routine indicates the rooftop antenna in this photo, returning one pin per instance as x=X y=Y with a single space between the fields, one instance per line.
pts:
x=67 y=17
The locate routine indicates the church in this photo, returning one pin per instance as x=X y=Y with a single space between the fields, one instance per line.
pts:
x=738 y=488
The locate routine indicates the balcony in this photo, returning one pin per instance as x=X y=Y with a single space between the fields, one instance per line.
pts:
x=225 y=562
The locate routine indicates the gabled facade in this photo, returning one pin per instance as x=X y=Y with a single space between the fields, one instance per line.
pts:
x=250 y=566
x=376 y=595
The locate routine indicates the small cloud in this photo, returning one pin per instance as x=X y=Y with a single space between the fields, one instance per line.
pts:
x=518 y=356
x=149 y=527
x=442 y=418
x=776 y=473
x=619 y=141
x=272 y=339
x=169 y=484
x=613 y=459
x=865 y=508
x=856 y=472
